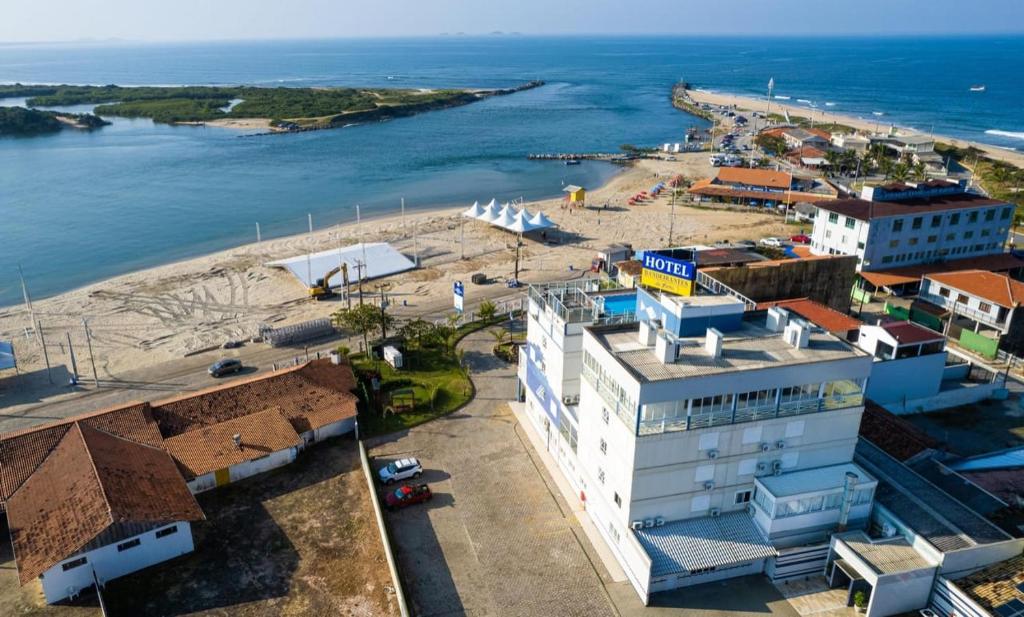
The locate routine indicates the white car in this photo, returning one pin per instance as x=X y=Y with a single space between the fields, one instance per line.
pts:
x=401 y=469
x=773 y=242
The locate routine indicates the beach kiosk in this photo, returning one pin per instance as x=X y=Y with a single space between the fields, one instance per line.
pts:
x=575 y=195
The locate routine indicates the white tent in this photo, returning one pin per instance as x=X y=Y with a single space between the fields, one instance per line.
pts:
x=490 y=212
x=520 y=223
x=541 y=221
x=523 y=212
x=505 y=220
x=492 y=204
x=474 y=211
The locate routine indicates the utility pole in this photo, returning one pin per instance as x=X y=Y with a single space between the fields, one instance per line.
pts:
x=462 y=237
x=92 y=358
x=403 y=213
x=46 y=356
x=672 y=217
x=74 y=365
x=258 y=237
x=382 y=287
x=359 y=269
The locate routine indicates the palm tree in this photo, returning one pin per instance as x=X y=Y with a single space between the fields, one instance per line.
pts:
x=833 y=159
x=920 y=171
x=885 y=166
x=901 y=172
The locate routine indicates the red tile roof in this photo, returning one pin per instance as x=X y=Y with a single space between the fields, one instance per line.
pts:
x=1000 y=262
x=815 y=312
x=21 y=452
x=899 y=438
x=755 y=177
x=311 y=395
x=213 y=447
x=994 y=288
x=910 y=333
x=90 y=481
x=867 y=210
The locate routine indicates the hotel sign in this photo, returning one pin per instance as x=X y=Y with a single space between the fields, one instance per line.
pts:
x=668 y=274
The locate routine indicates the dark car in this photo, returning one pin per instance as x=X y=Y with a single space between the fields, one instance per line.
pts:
x=407 y=495
x=223 y=367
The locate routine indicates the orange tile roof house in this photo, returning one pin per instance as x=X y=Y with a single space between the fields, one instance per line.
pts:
x=98 y=505
x=757 y=186
x=110 y=492
x=980 y=301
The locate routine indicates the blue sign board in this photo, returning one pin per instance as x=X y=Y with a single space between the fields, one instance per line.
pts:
x=459 y=295
x=669 y=265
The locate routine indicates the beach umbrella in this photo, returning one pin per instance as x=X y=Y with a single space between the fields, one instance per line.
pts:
x=541 y=221
x=474 y=211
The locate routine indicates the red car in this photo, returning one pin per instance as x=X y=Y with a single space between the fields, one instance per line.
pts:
x=800 y=239
x=407 y=495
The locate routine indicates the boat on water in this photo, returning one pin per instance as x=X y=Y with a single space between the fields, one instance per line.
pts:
x=978 y=88
x=572 y=162
x=878 y=113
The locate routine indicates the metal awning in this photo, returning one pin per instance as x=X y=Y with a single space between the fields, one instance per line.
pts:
x=704 y=543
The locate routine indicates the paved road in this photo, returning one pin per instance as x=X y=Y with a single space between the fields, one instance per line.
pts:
x=29 y=400
x=494 y=540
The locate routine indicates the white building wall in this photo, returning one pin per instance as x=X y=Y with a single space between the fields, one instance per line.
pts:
x=930 y=291
x=273 y=460
x=907 y=379
x=895 y=594
x=109 y=563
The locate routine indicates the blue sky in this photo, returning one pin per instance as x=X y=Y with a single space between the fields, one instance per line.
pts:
x=173 y=20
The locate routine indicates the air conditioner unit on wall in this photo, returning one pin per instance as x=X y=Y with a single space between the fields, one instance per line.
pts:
x=780 y=444
x=712 y=453
x=765 y=446
x=762 y=467
x=709 y=485
x=776 y=465
x=658 y=521
x=637 y=524
x=716 y=512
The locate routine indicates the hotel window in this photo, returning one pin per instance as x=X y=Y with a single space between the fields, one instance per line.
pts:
x=893 y=243
x=887 y=259
x=163 y=533
x=986 y=232
x=912 y=242
x=954 y=218
x=600 y=475
x=74 y=563
x=568 y=433
x=860 y=245
x=943 y=292
x=1005 y=214
x=937 y=221
x=605 y=416
x=851 y=222
x=962 y=299
x=950 y=237
x=972 y=217
x=985 y=307
x=916 y=223
x=968 y=235
x=828 y=233
x=129 y=544
x=800 y=393
x=990 y=215
x=979 y=247
x=618 y=500
x=742 y=497
x=897 y=225
x=755 y=399
x=604 y=447
x=933 y=239
x=833 y=217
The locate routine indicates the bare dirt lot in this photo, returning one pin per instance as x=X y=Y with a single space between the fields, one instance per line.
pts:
x=300 y=540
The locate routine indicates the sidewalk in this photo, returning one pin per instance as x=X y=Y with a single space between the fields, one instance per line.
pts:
x=571 y=497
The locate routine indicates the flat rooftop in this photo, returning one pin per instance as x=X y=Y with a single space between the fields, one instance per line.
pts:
x=814 y=480
x=751 y=347
x=889 y=556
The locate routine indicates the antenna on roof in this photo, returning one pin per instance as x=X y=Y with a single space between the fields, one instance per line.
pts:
x=237 y=438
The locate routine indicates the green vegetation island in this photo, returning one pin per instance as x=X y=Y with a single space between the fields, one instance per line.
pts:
x=280 y=109
x=21 y=122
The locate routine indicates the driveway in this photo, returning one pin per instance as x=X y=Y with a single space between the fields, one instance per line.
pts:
x=494 y=540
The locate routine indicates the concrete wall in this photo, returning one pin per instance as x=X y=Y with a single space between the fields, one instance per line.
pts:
x=895 y=381
x=109 y=563
x=827 y=281
x=895 y=594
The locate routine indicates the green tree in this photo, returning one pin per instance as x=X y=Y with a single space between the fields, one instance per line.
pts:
x=487 y=310
x=417 y=332
x=920 y=171
x=834 y=161
x=900 y=172
x=771 y=144
x=361 y=319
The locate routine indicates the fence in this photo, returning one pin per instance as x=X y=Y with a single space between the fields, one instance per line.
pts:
x=861 y=296
x=298 y=333
x=981 y=345
x=385 y=539
x=915 y=315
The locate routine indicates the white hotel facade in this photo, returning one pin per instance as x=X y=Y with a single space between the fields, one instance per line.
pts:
x=702 y=442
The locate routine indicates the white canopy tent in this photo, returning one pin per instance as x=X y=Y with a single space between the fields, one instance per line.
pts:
x=474 y=211
x=509 y=217
x=541 y=221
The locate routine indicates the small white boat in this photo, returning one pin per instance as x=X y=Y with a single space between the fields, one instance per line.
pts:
x=978 y=88
x=878 y=113
x=830 y=104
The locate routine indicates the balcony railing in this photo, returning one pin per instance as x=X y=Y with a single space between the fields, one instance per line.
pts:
x=625 y=412
x=962 y=309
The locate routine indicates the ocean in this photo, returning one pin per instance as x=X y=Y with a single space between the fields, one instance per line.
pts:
x=79 y=207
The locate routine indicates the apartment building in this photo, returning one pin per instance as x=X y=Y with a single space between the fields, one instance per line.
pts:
x=907 y=224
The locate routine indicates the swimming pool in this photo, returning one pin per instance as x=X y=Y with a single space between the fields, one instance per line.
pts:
x=619 y=303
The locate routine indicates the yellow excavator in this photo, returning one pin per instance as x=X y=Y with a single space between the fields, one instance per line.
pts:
x=321 y=290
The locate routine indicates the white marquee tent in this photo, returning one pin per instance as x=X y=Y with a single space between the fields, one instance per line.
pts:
x=508 y=217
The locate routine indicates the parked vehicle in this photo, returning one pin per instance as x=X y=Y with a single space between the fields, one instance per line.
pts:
x=407 y=495
x=772 y=242
x=800 y=239
x=745 y=243
x=401 y=469
x=225 y=366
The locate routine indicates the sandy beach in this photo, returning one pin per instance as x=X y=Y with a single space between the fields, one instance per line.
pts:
x=168 y=312
x=866 y=124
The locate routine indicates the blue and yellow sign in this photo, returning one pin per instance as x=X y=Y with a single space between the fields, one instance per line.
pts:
x=668 y=274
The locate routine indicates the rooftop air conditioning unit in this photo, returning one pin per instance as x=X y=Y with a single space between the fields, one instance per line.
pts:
x=765 y=446
x=709 y=485
x=762 y=467
x=658 y=521
x=780 y=444
x=637 y=524
x=712 y=453
x=716 y=512
x=648 y=523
